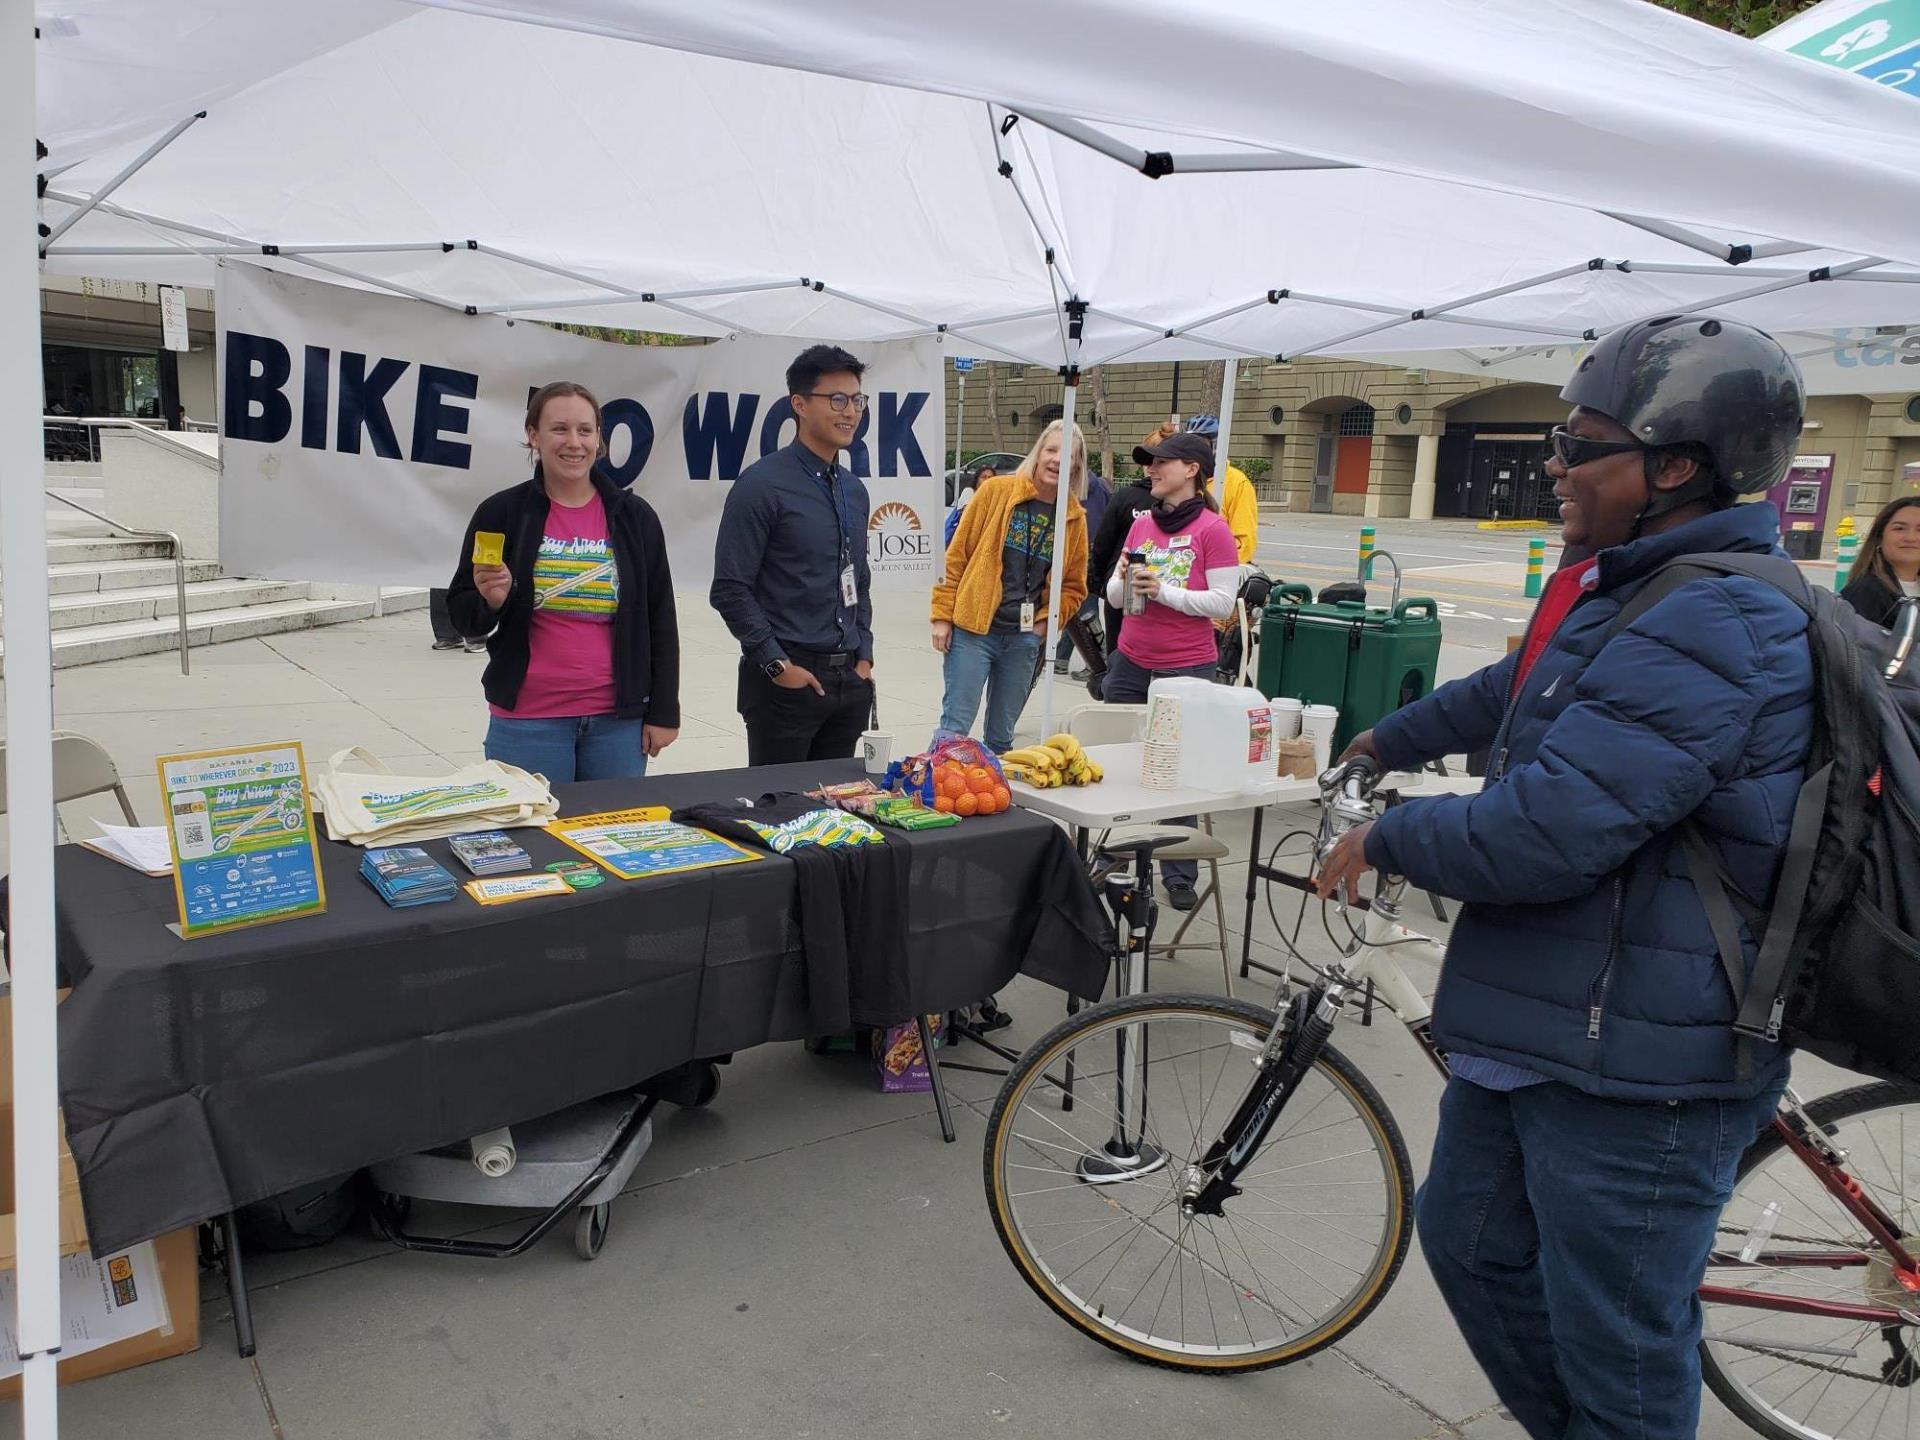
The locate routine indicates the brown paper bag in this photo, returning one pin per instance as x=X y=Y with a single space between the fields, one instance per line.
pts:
x=1295 y=758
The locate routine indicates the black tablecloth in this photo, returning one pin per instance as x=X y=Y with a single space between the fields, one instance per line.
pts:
x=201 y=1075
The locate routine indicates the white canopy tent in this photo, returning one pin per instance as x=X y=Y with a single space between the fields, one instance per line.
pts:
x=1064 y=185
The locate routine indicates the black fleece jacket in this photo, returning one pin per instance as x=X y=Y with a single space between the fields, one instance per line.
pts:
x=646 y=633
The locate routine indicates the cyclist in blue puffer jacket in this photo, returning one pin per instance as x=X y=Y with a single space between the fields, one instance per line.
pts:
x=1600 y=1098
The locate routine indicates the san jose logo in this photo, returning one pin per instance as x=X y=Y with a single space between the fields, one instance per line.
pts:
x=896 y=540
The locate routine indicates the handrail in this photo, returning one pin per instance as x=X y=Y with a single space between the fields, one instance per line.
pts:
x=179 y=563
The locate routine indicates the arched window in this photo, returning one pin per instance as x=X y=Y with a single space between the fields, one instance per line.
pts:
x=1356 y=421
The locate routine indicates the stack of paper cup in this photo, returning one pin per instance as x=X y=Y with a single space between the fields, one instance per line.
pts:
x=1160 y=755
x=1317 y=723
x=1286 y=717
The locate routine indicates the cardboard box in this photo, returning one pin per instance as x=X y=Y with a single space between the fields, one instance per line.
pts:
x=174 y=1258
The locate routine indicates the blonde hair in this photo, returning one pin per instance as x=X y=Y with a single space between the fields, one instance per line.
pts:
x=1077 y=474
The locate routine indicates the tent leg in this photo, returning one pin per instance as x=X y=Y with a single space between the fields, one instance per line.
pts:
x=29 y=735
x=236 y=1285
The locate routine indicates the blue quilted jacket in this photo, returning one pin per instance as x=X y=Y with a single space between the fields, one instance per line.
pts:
x=1582 y=950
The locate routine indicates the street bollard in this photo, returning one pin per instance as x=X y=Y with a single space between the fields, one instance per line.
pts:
x=1366 y=549
x=1536 y=566
x=1843 y=562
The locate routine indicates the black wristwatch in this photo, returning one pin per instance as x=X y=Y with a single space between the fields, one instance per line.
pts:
x=774 y=669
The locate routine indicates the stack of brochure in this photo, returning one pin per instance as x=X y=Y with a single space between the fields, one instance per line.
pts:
x=405 y=875
x=489 y=852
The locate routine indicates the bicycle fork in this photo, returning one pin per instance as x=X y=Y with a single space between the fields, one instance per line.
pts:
x=1290 y=1053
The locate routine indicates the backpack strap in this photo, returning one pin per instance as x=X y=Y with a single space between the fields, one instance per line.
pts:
x=1763 y=1006
x=1775 y=570
x=1705 y=872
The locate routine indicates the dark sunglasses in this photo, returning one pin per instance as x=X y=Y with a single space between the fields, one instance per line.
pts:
x=1572 y=450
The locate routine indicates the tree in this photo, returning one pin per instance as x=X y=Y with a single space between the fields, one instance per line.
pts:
x=993 y=406
x=1742 y=17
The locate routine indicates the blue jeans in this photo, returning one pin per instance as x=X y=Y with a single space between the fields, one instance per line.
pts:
x=1001 y=665
x=1127 y=684
x=1568 y=1234
x=569 y=747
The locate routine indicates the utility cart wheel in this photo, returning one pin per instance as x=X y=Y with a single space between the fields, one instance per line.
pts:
x=708 y=1088
x=590 y=1230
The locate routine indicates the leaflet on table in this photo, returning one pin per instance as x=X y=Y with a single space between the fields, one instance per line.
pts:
x=505 y=889
x=632 y=843
x=241 y=833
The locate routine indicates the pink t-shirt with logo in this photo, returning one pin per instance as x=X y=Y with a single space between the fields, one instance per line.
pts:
x=576 y=589
x=1162 y=638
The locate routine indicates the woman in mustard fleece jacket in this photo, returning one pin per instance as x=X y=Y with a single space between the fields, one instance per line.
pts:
x=990 y=609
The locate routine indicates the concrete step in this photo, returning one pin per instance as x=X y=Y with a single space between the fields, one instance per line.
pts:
x=149 y=602
x=89 y=644
x=91 y=549
x=397 y=599
x=79 y=577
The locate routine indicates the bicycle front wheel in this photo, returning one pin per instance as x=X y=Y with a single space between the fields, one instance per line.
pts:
x=1811 y=1329
x=1086 y=1196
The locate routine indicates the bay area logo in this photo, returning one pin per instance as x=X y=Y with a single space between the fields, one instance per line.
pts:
x=896 y=540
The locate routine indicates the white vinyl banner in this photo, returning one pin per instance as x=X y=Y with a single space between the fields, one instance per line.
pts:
x=358 y=432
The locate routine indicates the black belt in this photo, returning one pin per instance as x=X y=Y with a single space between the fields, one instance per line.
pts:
x=822 y=659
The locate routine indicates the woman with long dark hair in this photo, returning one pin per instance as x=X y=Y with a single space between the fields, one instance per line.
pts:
x=583 y=679
x=1887 y=569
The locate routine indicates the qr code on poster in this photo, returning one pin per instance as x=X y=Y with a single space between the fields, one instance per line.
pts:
x=194 y=832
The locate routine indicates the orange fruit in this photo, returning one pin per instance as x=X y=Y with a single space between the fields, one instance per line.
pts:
x=977 y=774
x=966 y=803
x=1002 y=797
x=954 y=785
x=943 y=803
x=981 y=782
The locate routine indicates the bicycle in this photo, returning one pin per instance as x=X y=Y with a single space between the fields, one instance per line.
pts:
x=1222 y=1225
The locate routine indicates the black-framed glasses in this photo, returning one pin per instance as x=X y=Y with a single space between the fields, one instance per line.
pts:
x=1571 y=449
x=840 y=400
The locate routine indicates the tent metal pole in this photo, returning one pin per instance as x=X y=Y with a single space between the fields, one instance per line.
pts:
x=29 y=733
x=732 y=327
x=393 y=285
x=126 y=173
x=1062 y=501
x=1054 y=247
x=180 y=226
x=1758 y=272
x=1152 y=163
x=1808 y=277
x=626 y=297
x=1720 y=249
x=1229 y=383
x=244 y=250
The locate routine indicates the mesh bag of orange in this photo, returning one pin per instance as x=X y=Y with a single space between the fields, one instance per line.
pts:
x=957 y=775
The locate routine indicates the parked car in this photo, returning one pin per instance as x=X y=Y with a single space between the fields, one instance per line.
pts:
x=968 y=475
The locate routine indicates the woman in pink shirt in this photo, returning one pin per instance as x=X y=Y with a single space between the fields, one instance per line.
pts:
x=583 y=675
x=1187 y=579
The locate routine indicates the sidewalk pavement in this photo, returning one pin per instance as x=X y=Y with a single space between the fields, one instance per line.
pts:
x=803 y=1259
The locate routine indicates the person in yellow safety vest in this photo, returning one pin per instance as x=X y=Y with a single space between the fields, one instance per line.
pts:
x=1238 y=505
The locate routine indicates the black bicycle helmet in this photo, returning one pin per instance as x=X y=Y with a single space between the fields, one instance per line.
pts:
x=1722 y=389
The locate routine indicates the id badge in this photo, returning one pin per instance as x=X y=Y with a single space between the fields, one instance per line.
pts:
x=849 y=595
x=1026 y=618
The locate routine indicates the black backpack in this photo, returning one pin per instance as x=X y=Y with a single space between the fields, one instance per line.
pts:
x=1838 y=970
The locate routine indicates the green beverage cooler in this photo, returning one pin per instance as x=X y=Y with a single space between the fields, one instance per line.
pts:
x=1366 y=662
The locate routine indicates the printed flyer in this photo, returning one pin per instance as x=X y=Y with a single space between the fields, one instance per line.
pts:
x=241 y=831
x=632 y=843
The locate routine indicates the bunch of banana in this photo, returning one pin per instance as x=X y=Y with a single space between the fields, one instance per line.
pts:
x=1058 y=760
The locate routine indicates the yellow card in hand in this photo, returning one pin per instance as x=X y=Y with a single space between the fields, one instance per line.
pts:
x=489 y=547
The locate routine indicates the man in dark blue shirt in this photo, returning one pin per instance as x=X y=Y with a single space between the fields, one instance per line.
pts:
x=790 y=575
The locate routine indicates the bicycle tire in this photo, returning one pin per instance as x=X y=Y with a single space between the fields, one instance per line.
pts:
x=1331 y=1065
x=1828 y=1112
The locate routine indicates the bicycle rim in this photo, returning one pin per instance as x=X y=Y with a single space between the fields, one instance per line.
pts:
x=1799 y=1376
x=1291 y=1264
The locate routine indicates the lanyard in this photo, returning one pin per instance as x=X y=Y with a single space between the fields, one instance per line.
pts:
x=837 y=498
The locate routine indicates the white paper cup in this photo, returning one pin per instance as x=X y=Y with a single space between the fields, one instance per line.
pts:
x=1317 y=723
x=876 y=750
x=1286 y=717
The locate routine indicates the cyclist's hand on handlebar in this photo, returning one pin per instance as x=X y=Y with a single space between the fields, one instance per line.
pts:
x=1361 y=744
x=1346 y=861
